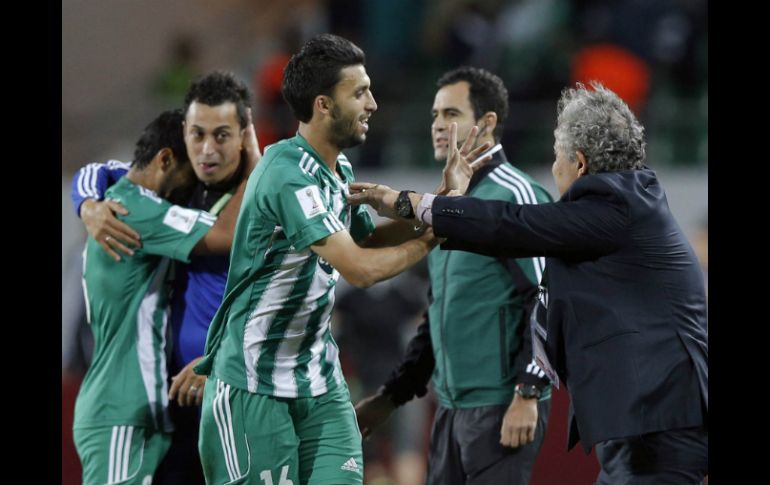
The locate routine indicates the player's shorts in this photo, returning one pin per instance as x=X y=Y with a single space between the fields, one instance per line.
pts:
x=257 y=439
x=120 y=454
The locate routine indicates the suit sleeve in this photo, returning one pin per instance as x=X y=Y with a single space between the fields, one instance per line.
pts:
x=589 y=227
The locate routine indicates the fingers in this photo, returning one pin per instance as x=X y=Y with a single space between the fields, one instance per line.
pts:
x=116 y=207
x=117 y=245
x=480 y=163
x=470 y=141
x=104 y=243
x=361 y=186
x=474 y=154
x=176 y=383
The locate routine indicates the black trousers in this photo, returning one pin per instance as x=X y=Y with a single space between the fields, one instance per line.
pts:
x=465 y=448
x=678 y=456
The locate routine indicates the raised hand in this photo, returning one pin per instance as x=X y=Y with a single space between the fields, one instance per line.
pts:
x=458 y=169
x=251 y=144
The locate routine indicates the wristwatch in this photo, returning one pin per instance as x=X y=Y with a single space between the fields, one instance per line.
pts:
x=404 y=207
x=527 y=391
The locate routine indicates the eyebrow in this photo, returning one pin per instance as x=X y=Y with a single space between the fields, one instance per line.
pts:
x=448 y=108
x=217 y=128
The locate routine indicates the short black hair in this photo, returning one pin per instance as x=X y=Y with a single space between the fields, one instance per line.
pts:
x=165 y=131
x=315 y=70
x=487 y=93
x=219 y=87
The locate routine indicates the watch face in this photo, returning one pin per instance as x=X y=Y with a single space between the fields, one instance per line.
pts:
x=404 y=205
x=528 y=392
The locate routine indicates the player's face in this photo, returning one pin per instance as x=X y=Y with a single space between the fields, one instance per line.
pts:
x=451 y=104
x=353 y=105
x=564 y=171
x=214 y=139
x=178 y=183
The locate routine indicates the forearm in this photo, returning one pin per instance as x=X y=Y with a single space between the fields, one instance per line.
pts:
x=391 y=233
x=411 y=377
x=376 y=265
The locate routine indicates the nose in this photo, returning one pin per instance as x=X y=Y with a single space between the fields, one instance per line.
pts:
x=438 y=124
x=372 y=104
x=208 y=146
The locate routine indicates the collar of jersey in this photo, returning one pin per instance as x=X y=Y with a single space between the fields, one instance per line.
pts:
x=300 y=141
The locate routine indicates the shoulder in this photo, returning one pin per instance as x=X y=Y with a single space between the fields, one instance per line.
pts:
x=519 y=186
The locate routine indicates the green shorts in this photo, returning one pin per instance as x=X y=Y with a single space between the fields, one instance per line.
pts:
x=120 y=454
x=257 y=439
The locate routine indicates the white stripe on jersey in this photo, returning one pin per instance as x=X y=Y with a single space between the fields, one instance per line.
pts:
x=329 y=226
x=286 y=357
x=151 y=364
x=118 y=164
x=523 y=182
x=84 y=178
x=85 y=287
x=317 y=380
x=516 y=192
x=272 y=300
x=308 y=164
x=522 y=190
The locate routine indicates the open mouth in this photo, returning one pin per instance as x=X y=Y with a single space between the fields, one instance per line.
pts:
x=208 y=167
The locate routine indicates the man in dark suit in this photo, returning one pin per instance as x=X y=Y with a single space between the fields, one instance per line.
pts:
x=625 y=322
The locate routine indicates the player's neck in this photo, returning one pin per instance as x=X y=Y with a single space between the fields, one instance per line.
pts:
x=145 y=178
x=318 y=139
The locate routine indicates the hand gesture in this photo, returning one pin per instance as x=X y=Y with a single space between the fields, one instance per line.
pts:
x=112 y=234
x=458 y=169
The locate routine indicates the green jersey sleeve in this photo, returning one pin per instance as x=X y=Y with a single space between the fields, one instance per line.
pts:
x=165 y=229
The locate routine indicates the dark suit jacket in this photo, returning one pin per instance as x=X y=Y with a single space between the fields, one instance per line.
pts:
x=626 y=302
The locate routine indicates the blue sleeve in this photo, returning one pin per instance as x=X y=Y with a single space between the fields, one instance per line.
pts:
x=93 y=180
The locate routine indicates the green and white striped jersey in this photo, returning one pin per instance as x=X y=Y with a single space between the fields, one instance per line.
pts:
x=272 y=334
x=126 y=305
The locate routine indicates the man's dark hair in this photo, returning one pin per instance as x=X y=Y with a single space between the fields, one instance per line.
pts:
x=217 y=88
x=315 y=70
x=165 y=131
x=487 y=93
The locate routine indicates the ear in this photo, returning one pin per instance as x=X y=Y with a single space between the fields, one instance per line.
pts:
x=582 y=167
x=165 y=159
x=323 y=104
x=489 y=120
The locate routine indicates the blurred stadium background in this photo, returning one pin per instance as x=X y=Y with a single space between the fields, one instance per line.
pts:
x=124 y=61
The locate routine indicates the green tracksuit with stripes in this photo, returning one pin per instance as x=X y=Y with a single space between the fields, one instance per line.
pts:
x=475 y=315
x=121 y=417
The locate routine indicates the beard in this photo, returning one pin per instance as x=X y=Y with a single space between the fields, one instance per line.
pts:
x=343 y=130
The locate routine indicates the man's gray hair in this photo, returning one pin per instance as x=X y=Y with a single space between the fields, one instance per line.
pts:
x=601 y=126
